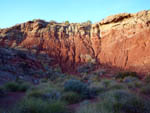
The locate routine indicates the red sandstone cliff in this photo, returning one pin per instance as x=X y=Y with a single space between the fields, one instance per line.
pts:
x=120 y=41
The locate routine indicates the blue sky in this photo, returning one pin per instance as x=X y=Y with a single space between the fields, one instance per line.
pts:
x=18 y=11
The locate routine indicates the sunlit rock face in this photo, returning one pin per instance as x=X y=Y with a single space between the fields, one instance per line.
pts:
x=125 y=40
x=120 y=41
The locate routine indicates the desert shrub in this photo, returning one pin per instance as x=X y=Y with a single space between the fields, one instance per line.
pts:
x=129 y=79
x=94 y=77
x=117 y=101
x=90 y=108
x=14 y=86
x=113 y=100
x=100 y=72
x=75 y=85
x=57 y=107
x=138 y=84
x=44 y=94
x=33 y=105
x=44 y=80
x=116 y=86
x=86 y=68
x=24 y=86
x=2 y=91
x=52 y=95
x=135 y=84
x=71 y=97
x=145 y=90
x=132 y=82
x=106 y=83
x=147 y=79
x=55 y=74
x=122 y=75
x=136 y=105
x=99 y=88
x=35 y=93
x=80 y=88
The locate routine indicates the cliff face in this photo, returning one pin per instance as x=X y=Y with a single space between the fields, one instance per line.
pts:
x=120 y=41
x=125 y=40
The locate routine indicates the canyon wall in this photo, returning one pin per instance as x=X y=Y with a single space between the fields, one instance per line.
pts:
x=120 y=41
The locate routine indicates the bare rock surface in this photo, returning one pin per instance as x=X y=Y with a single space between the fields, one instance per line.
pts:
x=120 y=41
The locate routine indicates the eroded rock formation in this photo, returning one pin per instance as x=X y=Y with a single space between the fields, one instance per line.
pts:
x=120 y=41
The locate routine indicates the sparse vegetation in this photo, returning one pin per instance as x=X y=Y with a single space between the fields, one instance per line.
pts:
x=36 y=93
x=117 y=101
x=54 y=96
x=39 y=106
x=14 y=86
x=55 y=91
x=45 y=93
x=80 y=88
x=86 y=68
x=67 y=22
x=147 y=78
x=145 y=90
x=71 y=97
x=63 y=67
x=122 y=75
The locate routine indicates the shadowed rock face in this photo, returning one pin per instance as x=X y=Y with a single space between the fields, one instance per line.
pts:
x=120 y=41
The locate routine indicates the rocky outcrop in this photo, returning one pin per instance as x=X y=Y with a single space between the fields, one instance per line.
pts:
x=120 y=41
x=124 y=41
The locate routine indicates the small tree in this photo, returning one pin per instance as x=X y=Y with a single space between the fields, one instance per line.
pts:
x=67 y=22
x=89 y=22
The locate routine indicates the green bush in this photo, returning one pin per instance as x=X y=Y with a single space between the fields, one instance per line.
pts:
x=138 y=84
x=32 y=105
x=113 y=100
x=89 y=108
x=67 y=22
x=35 y=93
x=44 y=80
x=80 y=88
x=117 y=86
x=86 y=68
x=135 y=84
x=129 y=79
x=147 y=79
x=106 y=83
x=145 y=90
x=46 y=94
x=117 y=101
x=24 y=87
x=71 y=97
x=57 y=107
x=122 y=75
x=14 y=86
x=98 y=87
